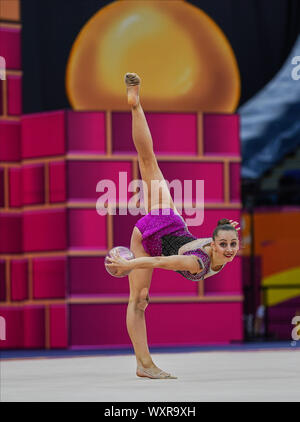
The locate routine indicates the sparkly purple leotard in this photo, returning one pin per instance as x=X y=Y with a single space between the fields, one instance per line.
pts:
x=163 y=235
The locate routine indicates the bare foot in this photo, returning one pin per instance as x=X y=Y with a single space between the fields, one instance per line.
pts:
x=153 y=373
x=133 y=81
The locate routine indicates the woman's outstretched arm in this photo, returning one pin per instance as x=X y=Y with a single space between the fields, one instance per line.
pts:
x=174 y=262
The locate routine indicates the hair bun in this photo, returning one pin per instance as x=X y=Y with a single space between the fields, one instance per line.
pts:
x=223 y=222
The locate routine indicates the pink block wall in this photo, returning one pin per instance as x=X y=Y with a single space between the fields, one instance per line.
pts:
x=95 y=325
x=83 y=177
x=211 y=218
x=14 y=95
x=169 y=283
x=15 y=187
x=33 y=184
x=44 y=230
x=123 y=226
x=19 y=279
x=11 y=233
x=87 y=229
x=1 y=187
x=228 y=281
x=25 y=327
x=63 y=131
x=1 y=96
x=86 y=132
x=34 y=327
x=221 y=134
x=194 y=323
x=2 y=281
x=10 y=47
x=167 y=324
x=211 y=173
x=43 y=134
x=172 y=133
x=58 y=327
x=57 y=182
x=235 y=182
x=49 y=277
x=14 y=319
x=88 y=276
x=10 y=150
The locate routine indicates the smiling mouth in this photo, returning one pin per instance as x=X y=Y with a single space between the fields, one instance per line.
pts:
x=228 y=256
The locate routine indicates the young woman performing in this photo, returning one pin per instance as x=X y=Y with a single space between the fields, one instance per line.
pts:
x=163 y=241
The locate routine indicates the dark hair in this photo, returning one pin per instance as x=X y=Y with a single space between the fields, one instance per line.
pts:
x=223 y=224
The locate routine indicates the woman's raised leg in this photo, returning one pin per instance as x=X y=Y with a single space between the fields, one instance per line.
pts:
x=158 y=191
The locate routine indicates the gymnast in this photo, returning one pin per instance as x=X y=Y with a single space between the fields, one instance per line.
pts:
x=163 y=241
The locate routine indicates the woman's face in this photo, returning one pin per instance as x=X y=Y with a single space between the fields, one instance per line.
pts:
x=226 y=244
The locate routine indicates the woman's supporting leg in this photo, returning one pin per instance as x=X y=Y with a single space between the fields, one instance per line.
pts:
x=158 y=192
x=140 y=280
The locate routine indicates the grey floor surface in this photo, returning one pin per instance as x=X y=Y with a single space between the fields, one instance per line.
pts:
x=266 y=375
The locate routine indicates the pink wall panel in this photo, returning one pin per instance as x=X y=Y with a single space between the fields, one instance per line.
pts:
x=211 y=218
x=123 y=226
x=34 y=327
x=235 y=182
x=211 y=173
x=49 y=278
x=83 y=177
x=166 y=283
x=167 y=324
x=11 y=233
x=14 y=95
x=98 y=325
x=194 y=323
x=86 y=229
x=221 y=134
x=19 y=279
x=1 y=187
x=25 y=327
x=88 y=276
x=1 y=93
x=121 y=133
x=86 y=132
x=44 y=230
x=43 y=134
x=57 y=181
x=33 y=184
x=58 y=326
x=10 y=47
x=10 y=150
x=229 y=280
x=172 y=133
x=2 y=281
x=14 y=327
x=15 y=187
